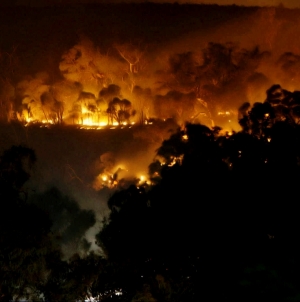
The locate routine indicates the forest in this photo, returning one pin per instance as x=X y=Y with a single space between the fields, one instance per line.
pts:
x=218 y=220
x=149 y=152
x=96 y=64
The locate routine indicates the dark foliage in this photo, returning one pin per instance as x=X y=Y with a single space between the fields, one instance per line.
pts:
x=25 y=238
x=220 y=221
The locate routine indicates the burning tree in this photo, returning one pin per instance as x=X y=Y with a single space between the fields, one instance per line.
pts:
x=120 y=111
x=81 y=64
x=142 y=100
x=132 y=54
x=86 y=64
x=106 y=95
x=227 y=75
x=109 y=92
x=52 y=108
x=218 y=79
x=64 y=93
x=180 y=106
x=30 y=91
x=86 y=107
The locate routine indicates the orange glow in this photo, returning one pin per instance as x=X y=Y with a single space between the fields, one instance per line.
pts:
x=143 y=180
x=222 y=113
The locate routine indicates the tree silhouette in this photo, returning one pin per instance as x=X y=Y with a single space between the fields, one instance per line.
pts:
x=218 y=206
x=120 y=110
x=25 y=237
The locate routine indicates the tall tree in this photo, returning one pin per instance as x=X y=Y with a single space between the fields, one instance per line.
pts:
x=120 y=111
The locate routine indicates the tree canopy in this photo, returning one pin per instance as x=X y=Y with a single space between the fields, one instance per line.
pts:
x=219 y=220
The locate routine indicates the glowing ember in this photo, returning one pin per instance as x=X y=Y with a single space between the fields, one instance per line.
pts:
x=176 y=160
x=185 y=137
x=222 y=113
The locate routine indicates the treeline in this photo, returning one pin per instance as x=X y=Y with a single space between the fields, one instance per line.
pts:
x=219 y=220
x=163 y=70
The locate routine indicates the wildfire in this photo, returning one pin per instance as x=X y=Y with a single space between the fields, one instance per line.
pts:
x=84 y=123
x=176 y=160
x=105 y=180
x=224 y=113
x=143 y=180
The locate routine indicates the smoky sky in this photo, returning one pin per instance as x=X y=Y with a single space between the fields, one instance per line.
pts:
x=286 y=3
